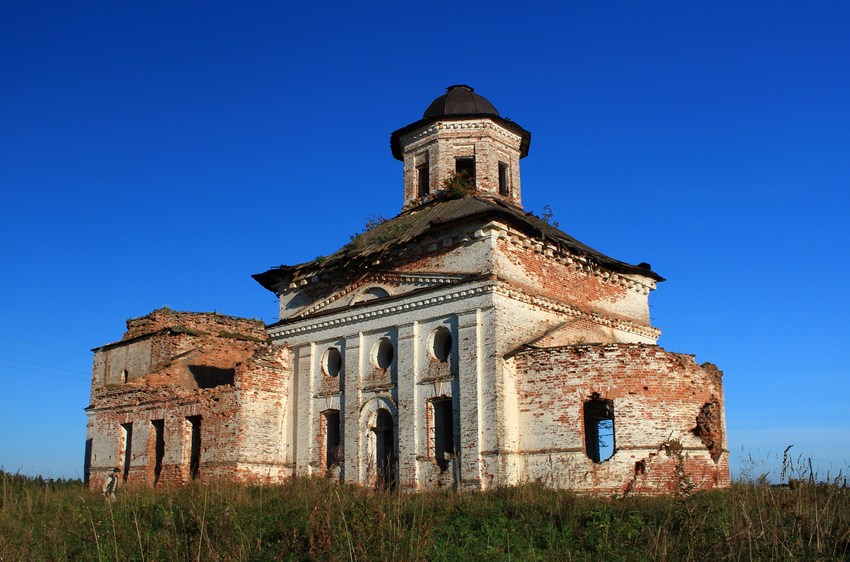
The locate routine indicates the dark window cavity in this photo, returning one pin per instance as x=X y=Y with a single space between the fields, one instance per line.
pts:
x=332 y=362
x=599 y=429
x=503 y=179
x=333 y=452
x=465 y=167
x=158 y=447
x=441 y=344
x=195 y=446
x=382 y=354
x=385 y=450
x=128 y=447
x=87 y=461
x=423 y=176
x=444 y=431
x=211 y=377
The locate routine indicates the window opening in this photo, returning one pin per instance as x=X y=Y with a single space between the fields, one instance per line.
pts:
x=333 y=453
x=503 y=178
x=195 y=447
x=444 y=432
x=441 y=344
x=158 y=447
x=332 y=362
x=599 y=429
x=128 y=447
x=211 y=377
x=370 y=294
x=385 y=450
x=87 y=461
x=382 y=354
x=125 y=375
x=423 y=174
x=466 y=167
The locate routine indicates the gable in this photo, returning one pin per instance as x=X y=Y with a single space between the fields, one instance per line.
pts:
x=371 y=287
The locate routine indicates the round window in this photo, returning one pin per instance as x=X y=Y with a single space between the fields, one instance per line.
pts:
x=331 y=362
x=441 y=344
x=382 y=354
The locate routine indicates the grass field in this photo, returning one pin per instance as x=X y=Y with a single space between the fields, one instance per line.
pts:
x=314 y=519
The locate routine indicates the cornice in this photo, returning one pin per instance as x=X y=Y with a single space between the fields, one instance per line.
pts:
x=484 y=288
x=465 y=125
x=546 y=303
x=383 y=279
x=279 y=332
x=578 y=262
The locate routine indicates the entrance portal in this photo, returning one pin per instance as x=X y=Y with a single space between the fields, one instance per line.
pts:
x=385 y=450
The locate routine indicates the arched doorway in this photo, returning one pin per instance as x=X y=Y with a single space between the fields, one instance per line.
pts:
x=385 y=450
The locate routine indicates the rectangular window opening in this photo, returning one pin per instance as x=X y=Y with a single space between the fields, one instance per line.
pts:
x=599 y=429
x=503 y=179
x=466 y=167
x=195 y=446
x=158 y=447
x=87 y=461
x=444 y=430
x=128 y=448
x=423 y=174
x=333 y=439
x=211 y=377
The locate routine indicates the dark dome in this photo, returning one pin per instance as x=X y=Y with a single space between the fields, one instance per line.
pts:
x=459 y=100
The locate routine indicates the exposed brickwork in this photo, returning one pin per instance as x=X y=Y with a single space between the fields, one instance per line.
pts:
x=438 y=145
x=469 y=304
x=188 y=364
x=659 y=400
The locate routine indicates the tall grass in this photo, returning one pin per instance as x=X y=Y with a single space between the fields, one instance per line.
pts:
x=309 y=519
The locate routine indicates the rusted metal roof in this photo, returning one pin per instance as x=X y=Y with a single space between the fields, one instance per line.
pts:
x=368 y=248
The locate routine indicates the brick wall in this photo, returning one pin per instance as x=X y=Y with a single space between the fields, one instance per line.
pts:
x=658 y=398
x=241 y=408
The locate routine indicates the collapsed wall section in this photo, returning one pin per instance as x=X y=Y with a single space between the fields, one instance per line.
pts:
x=185 y=396
x=620 y=418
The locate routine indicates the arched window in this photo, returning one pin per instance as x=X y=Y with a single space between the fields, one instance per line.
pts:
x=599 y=437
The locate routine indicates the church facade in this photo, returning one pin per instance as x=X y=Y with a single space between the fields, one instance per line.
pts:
x=463 y=343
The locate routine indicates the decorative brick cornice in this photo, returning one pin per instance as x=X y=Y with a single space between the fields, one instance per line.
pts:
x=578 y=262
x=465 y=125
x=546 y=303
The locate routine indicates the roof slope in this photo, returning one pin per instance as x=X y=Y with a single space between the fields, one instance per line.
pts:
x=415 y=222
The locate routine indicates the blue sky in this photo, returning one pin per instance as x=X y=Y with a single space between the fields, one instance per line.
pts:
x=159 y=153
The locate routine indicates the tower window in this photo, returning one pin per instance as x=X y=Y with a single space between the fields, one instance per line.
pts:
x=424 y=178
x=466 y=167
x=503 y=179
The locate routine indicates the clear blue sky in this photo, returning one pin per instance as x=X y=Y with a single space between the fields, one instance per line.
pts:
x=158 y=153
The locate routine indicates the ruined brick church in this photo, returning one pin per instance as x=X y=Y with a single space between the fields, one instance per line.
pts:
x=463 y=343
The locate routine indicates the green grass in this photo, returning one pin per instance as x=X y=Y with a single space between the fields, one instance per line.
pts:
x=310 y=519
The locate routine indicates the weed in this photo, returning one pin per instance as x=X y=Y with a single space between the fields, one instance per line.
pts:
x=313 y=518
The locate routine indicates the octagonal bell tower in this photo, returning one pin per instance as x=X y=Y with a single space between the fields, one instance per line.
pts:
x=461 y=133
